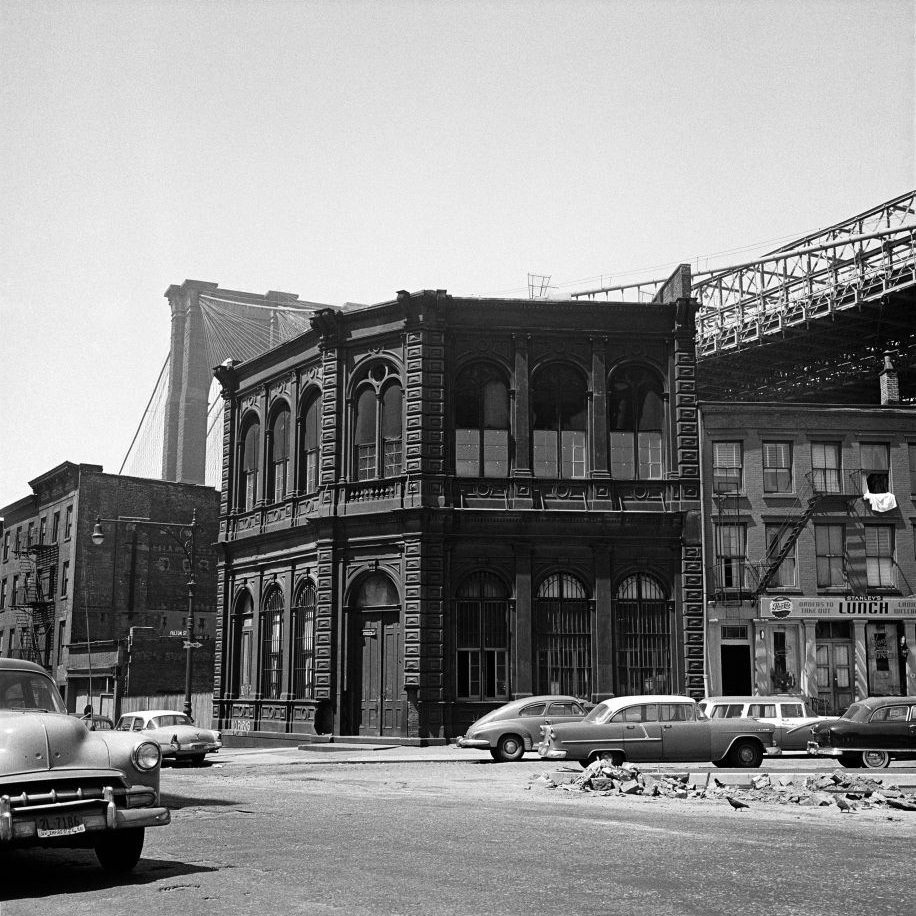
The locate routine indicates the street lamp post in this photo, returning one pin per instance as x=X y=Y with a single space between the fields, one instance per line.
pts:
x=188 y=544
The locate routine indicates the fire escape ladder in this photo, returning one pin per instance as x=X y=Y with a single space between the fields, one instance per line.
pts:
x=808 y=499
x=854 y=581
x=35 y=610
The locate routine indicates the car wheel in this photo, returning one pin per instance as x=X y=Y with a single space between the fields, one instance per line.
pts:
x=875 y=760
x=746 y=754
x=119 y=851
x=848 y=759
x=509 y=748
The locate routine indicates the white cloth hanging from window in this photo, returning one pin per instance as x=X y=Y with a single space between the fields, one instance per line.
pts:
x=879 y=502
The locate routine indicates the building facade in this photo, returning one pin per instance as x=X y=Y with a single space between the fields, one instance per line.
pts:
x=810 y=549
x=435 y=504
x=76 y=607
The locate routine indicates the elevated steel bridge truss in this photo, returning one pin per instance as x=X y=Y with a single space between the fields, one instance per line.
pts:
x=812 y=319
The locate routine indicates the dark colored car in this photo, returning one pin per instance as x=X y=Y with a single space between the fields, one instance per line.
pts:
x=64 y=785
x=662 y=728
x=871 y=733
x=512 y=729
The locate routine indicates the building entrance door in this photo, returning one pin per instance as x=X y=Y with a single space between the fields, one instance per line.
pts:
x=835 y=675
x=736 y=669
x=883 y=655
x=380 y=673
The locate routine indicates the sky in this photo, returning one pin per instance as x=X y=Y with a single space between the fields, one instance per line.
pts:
x=345 y=150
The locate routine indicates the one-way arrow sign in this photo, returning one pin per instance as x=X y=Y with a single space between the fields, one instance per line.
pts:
x=192 y=645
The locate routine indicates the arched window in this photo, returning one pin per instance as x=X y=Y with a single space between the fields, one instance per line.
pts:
x=304 y=640
x=563 y=623
x=636 y=424
x=559 y=405
x=272 y=645
x=278 y=462
x=310 y=445
x=377 y=425
x=251 y=465
x=643 y=636
x=481 y=423
x=242 y=631
x=482 y=638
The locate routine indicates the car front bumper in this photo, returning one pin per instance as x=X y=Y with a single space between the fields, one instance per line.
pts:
x=22 y=823
x=818 y=750
x=464 y=741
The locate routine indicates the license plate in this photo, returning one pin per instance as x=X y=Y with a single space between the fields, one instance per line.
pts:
x=60 y=825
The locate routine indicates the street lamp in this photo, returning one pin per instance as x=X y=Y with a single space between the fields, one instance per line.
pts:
x=184 y=534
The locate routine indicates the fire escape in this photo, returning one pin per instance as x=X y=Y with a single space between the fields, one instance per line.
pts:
x=34 y=605
x=818 y=493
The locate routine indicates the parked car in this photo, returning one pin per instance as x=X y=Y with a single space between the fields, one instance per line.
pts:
x=176 y=734
x=871 y=733
x=512 y=729
x=658 y=728
x=96 y=722
x=790 y=714
x=64 y=785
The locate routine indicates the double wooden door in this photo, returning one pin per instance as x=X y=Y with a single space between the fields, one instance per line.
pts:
x=378 y=669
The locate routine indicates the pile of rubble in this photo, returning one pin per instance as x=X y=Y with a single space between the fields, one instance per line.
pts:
x=847 y=791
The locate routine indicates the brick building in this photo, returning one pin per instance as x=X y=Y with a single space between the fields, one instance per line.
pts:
x=434 y=504
x=77 y=607
x=810 y=531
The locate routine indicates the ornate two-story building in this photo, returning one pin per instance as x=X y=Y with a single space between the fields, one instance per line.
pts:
x=435 y=504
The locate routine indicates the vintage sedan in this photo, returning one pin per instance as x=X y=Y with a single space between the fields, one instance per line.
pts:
x=790 y=714
x=658 y=728
x=176 y=734
x=64 y=785
x=870 y=734
x=512 y=729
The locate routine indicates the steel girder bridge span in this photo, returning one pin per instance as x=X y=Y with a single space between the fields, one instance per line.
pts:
x=811 y=320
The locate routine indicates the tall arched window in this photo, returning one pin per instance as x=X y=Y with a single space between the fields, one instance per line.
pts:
x=482 y=638
x=378 y=424
x=242 y=633
x=636 y=424
x=481 y=423
x=559 y=405
x=563 y=623
x=250 y=465
x=310 y=445
x=278 y=461
x=304 y=640
x=272 y=645
x=643 y=636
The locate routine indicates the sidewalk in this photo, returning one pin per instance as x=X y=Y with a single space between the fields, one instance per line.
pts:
x=903 y=775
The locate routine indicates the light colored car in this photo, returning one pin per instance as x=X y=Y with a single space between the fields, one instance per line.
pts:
x=64 y=785
x=658 y=728
x=789 y=714
x=512 y=729
x=176 y=734
x=870 y=734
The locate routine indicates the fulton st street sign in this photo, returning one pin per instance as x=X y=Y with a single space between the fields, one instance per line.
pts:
x=867 y=607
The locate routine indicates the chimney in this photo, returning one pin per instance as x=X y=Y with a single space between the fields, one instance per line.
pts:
x=890 y=386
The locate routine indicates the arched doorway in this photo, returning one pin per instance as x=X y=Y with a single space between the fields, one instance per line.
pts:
x=375 y=657
x=643 y=630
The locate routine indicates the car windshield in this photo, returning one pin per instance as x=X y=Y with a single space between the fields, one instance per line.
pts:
x=170 y=720
x=857 y=712
x=29 y=690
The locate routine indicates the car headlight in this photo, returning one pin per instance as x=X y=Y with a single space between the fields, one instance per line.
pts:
x=146 y=756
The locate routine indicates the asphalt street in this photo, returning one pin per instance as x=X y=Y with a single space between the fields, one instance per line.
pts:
x=442 y=831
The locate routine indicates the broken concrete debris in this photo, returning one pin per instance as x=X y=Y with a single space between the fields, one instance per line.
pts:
x=847 y=791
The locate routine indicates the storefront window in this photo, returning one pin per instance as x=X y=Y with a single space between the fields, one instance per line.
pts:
x=482 y=638
x=563 y=623
x=642 y=621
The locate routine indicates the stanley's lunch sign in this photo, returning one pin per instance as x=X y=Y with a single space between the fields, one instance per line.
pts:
x=866 y=607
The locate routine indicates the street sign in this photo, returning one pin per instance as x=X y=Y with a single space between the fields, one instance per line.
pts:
x=181 y=633
x=192 y=645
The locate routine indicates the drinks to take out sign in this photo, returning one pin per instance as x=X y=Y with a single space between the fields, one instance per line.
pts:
x=862 y=607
